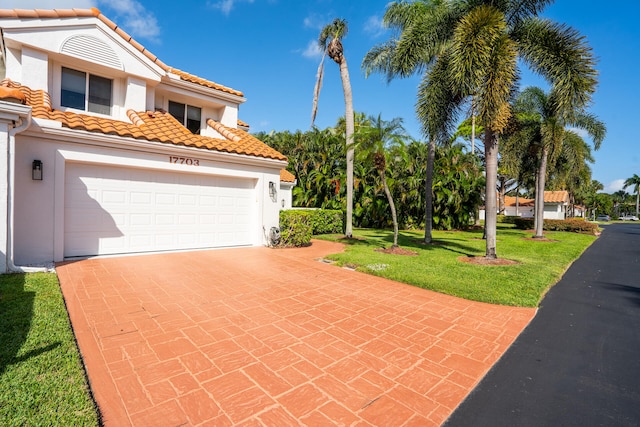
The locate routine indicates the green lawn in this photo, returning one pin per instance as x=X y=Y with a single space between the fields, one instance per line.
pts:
x=42 y=382
x=437 y=267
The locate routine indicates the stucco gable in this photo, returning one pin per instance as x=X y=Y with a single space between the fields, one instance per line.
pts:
x=67 y=24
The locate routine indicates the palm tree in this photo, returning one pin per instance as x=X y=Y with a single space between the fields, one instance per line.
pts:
x=634 y=182
x=330 y=41
x=402 y=57
x=374 y=141
x=547 y=124
x=619 y=198
x=470 y=49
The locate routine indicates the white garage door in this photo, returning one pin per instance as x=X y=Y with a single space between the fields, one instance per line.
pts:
x=112 y=210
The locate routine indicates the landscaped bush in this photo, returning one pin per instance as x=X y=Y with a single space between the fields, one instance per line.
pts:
x=523 y=223
x=295 y=228
x=298 y=225
x=507 y=219
x=326 y=221
x=577 y=225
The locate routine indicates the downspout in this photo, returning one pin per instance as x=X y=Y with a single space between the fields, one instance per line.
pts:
x=23 y=125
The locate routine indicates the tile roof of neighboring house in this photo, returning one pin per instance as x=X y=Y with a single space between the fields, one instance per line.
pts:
x=511 y=201
x=77 y=13
x=549 y=197
x=556 y=196
x=155 y=126
x=286 y=176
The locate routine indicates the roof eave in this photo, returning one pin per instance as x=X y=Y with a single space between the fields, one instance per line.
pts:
x=176 y=81
x=83 y=136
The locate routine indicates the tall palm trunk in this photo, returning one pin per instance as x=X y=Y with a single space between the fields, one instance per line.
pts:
x=392 y=206
x=350 y=129
x=637 y=200
x=491 y=161
x=542 y=174
x=428 y=192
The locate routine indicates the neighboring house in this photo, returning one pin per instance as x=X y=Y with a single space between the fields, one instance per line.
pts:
x=107 y=150
x=518 y=207
x=287 y=182
x=579 y=211
x=556 y=205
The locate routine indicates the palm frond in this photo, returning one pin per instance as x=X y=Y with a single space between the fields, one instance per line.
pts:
x=380 y=59
x=519 y=10
x=562 y=56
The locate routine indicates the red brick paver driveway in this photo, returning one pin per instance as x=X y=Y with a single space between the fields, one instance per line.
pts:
x=257 y=336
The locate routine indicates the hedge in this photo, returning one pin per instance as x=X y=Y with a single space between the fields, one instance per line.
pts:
x=577 y=225
x=298 y=225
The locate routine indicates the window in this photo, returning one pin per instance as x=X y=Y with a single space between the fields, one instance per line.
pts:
x=76 y=85
x=188 y=115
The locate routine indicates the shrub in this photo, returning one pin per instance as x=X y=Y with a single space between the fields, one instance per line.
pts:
x=326 y=221
x=507 y=219
x=295 y=228
x=298 y=225
x=523 y=223
x=572 y=225
x=576 y=225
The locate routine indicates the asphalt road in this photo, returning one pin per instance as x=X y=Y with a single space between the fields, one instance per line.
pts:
x=578 y=362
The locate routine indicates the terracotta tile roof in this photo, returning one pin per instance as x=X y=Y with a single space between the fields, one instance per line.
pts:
x=243 y=124
x=155 y=126
x=511 y=201
x=556 y=196
x=286 y=176
x=12 y=95
x=78 y=13
x=549 y=197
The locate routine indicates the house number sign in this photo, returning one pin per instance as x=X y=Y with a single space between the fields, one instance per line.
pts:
x=184 y=161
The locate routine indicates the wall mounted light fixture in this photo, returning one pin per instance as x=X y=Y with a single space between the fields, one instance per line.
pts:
x=273 y=193
x=36 y=170
x=282 y=203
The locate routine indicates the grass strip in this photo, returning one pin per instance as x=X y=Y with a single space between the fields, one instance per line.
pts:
x=541 y=263
x=42 y=382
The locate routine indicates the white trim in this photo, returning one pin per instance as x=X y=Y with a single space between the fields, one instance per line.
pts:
x=113 y=141
x=175 y=81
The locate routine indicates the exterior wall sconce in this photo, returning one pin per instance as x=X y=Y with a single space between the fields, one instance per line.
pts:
x=282 y=203
x=273 y=193
x=36 y=170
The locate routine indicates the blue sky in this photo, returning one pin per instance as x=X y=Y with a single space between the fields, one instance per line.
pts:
x=266 y=48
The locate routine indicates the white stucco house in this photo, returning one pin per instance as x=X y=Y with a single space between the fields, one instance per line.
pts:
x=107 y=150
x=556 y=204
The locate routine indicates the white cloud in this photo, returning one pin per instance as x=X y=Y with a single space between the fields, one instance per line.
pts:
x=48 y=4
x=374 y=26
x=312 y=50
x=129 y=14
x=613 y=186
x=316 y=22
x=133 y=18
x=225 y=6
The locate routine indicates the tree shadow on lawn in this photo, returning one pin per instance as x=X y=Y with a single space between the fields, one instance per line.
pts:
x=376 y=240
x=16 y=314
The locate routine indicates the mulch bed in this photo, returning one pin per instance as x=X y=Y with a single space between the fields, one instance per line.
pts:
x=540 y=239
x=480 y=260
x=396 y=251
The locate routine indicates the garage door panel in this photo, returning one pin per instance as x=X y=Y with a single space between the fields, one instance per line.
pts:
x=112 y=210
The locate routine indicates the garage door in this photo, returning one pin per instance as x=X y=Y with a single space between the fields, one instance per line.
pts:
x=111 y=210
